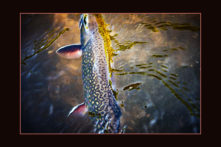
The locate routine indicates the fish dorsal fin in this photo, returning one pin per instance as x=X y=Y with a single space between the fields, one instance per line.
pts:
x=72 y=51
x=80 y=109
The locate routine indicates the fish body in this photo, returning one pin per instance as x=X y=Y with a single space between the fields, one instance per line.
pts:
x=100 y=103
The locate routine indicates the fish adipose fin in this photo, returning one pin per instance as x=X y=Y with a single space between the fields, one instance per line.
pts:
x=80 y=109
x=72 y=51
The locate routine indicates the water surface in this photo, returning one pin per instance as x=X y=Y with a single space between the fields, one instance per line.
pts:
x=156 y=70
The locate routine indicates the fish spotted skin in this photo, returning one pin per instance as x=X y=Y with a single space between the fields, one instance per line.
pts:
x=98 y=94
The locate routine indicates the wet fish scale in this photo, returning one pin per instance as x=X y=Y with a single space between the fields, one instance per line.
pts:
x=96 y=72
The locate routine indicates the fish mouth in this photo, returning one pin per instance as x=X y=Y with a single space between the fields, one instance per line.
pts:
x=88 y=22
x=87 y=25
x=83 y=22
x=84 y=29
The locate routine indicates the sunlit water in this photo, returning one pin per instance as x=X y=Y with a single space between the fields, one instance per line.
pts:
x=156 y=72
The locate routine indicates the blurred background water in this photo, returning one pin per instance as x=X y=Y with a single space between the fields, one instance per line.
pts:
x=156 y=72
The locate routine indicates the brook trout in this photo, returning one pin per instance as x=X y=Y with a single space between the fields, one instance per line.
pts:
x=100 y=103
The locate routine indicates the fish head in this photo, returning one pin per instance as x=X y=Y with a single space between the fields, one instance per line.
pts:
x=87 y=25
x=84 y=29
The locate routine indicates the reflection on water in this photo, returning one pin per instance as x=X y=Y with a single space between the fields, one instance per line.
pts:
x=157 y=26
x=155 y=68
x=44 y=43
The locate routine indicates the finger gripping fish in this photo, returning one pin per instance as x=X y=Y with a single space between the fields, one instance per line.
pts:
x=100 y=103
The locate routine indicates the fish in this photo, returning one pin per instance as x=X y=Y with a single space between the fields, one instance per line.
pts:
x=100 y=103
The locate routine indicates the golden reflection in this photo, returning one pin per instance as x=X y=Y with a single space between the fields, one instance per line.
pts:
x=132 y=19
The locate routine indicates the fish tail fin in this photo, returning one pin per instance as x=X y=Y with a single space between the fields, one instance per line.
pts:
x=80 y=109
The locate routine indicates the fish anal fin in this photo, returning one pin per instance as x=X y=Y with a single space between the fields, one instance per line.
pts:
x=80 y=109
x=72 y=51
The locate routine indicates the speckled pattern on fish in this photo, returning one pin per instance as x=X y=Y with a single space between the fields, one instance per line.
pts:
x=97 y=91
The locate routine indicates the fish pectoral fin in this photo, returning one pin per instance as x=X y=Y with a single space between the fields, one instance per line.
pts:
x=72 y=51
x=80 y=109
